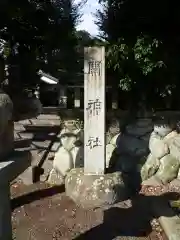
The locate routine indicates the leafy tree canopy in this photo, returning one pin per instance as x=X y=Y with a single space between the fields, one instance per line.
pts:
x=142 y=40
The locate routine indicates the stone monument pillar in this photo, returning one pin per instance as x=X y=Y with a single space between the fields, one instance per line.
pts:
x=94 y=110
x=90 y=186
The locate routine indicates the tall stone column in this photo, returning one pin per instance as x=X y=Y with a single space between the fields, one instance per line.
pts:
x=91 y=186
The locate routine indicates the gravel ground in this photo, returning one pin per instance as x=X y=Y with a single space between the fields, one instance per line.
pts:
x=42 y=212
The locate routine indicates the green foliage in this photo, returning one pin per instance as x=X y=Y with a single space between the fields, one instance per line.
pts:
x=143 y=47
x=139 y=59
x=40 y=35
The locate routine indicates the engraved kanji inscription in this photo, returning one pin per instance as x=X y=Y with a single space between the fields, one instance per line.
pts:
x=94 y=67
x=93 y=142
x=94 y=107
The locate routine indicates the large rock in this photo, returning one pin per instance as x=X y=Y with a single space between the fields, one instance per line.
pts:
x=174 y=147
x=63 y=161
x=55 y=178
x=144 y=122
x=6 y=110
x=109 y=153
x=168 y=170
x=178 y=176
x=130 y=145
x=169 y=137
x=26 y=107
x=125 y=163
x=80 y=135
x=6 y=126
x=114 y=139
x=162 y=129
x=90 y=191
x=78 y=156
x=138 y=130
x=157 y=146
x=68 y=140
x=114 y=127
x=150 y=167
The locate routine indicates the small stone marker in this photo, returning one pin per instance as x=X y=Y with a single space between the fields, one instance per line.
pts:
x=94 y=110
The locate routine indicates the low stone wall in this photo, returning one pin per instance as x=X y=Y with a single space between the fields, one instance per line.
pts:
x=147 y=145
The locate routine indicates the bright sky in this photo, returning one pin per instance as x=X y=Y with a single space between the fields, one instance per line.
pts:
x=88 y=18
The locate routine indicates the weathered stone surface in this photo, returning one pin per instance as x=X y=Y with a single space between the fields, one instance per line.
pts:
x=128 y=144
x=152 y=181
x=71 y=125
x=168 y=169
x=175 y=182
x=48 y=117
x=144 y=122
x=109 y=151
x=146 y=138
x=107 y=138
x=63 y=161
x=125 y=163
x=26 y=107
x=114 y=127
x=174 y=147
x=80 y=135
x=178 y=176
x=55 y=146
x=78 y=156
x=90 y=191
x=150 y=167
x=45 y=122
x=113 y=141
x=6 y=110
x=55 y=178
x=47 y=168
x=169 y=137
x=64 y=131
x=6 y=126
x=157 y=146
x=162 y=130
x=9 y=170
x=168 y=220
x=68 y=140
x=134 y=130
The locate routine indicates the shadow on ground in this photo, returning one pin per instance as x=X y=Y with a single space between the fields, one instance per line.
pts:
x=134 y=221
x=120 y=221
x=36 y=195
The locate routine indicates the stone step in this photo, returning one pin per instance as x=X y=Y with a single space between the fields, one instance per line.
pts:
x=19 y=127
x=48 y=117
x=24 y=135
x=42 y=128
x=46 y=122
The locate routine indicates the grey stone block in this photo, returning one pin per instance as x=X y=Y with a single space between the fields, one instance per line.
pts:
x=168 y=220
x=91 y=191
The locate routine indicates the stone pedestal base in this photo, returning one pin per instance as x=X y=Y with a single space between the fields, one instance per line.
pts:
x=5 y=213
x=91 y=191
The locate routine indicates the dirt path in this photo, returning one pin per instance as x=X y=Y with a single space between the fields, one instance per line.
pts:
x=41 y=212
